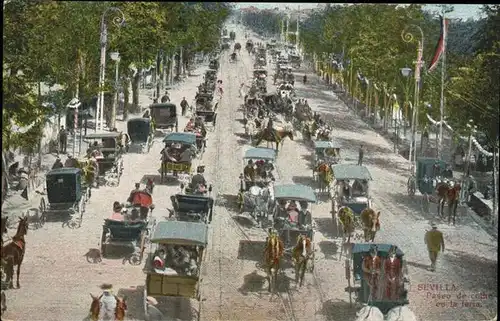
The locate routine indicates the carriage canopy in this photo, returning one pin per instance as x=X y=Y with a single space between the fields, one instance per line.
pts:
x=260 y=153
x=184 y=138
x=195 y=203
x=180 y=233
x=349 y=171
x=322 y=144
x=139 y=129
x=425 y=166
x=64 y=185
x=294 y=192
x=96 y=136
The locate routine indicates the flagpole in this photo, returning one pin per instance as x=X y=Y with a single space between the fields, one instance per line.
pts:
x=441 y=106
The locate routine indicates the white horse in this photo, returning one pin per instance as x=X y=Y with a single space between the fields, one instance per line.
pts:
x=401 y=313
x=369 y=313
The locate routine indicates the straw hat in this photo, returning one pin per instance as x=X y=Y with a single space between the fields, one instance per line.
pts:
x=152 y=301
x=433 y=225
x=106 y=287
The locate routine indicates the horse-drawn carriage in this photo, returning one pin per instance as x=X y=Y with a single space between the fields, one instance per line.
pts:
x=436 y=184
x=294 y=228
x=141 y=133
x=255 y=193
x=326 y=154
x=379 y=274
x=295 y=60
x=107 y=149
x=67 y=195
x=164 y=117
x=249 y=45
x=177 y=156
x=206 y=110
x=192 y=208
x=351 y=200
x=225 y=43
x=132 y=229
x=214 y=64
x=259 y=72
x=175 y=261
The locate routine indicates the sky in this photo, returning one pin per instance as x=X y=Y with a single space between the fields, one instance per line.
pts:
x=462 y=11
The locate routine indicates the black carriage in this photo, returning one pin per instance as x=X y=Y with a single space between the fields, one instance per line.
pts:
x=107 y=149
x=66 y=196
x=210 y=75
x=233 y=57
x=214 y=64
x=204 y=101
x=232 y=35
x=192 y=208
x=132 y=230
x=141 y=133
x=164 y=116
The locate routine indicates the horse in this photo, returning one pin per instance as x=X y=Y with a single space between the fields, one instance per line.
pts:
x=13 y=253
x=346 y=218
x=272 y=254
x=118 y=312
x=450 y=195
x=401 y=313
x=325 y=177
x=371 y=223
x=369 y=313
x=301 y=254
x=279 y=135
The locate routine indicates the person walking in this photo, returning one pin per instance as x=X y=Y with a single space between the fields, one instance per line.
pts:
x=361 y=153
x=184 y=106
x=435 y=243
x=63 y=140
x=242 y=93
x=304 y=79
x=165 y=98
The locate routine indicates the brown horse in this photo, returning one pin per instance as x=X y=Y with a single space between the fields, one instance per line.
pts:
x=120 y=309
x=371 y=223
x=346 y=218
x=13 y=253
x=272 y=255
x=450 y=195
x=278 y=137
x=325 y=177
x=301 y=254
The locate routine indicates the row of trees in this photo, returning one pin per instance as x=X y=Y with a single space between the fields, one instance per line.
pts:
x=367 y=39
x=57 y=42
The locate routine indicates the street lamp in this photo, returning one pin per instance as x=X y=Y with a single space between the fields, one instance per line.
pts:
x=118 y=20
x=408 y=37
x=406 y=72
x=115 y=56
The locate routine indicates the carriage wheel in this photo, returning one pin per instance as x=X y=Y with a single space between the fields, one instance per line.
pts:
x=426 y=204
x=43 y=210
x=411 y=186
x=103 y=242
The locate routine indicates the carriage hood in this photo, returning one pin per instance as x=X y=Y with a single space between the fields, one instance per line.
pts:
x=185 y=138
x=348 y=171
x=320 y=144
x=295 y=192
x=180 y=233
x=260 y=153
x=195 y=203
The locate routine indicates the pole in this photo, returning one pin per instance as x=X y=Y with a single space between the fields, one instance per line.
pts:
x=465 y=176
x=115 y=103
x=102 y=67
x=494 y=216
x=441 y=106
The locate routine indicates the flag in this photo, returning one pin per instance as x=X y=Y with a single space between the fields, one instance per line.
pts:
x=440 y=47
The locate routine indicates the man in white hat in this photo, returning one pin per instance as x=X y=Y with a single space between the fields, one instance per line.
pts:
x=153 y=313
x=435 y=243
x=108 y=303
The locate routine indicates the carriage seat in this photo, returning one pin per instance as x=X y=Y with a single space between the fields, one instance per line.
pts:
x=125 y=230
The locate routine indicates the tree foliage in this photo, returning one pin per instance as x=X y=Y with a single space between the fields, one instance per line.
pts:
x=59 y=42
x=370 y=36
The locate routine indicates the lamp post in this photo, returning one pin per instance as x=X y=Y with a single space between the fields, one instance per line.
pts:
x=118 y=20
x=115 y=56
x=408 y=37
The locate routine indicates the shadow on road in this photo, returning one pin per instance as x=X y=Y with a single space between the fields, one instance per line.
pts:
x=479 y=270
x=251 y=250
x=326 y=227
x=329 y=249
x=303 y=180
x=338 y=310
x=228 y=201
x=253 y=282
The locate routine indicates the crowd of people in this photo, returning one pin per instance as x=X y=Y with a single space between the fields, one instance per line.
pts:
x=260 y=170
x=179 y=259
